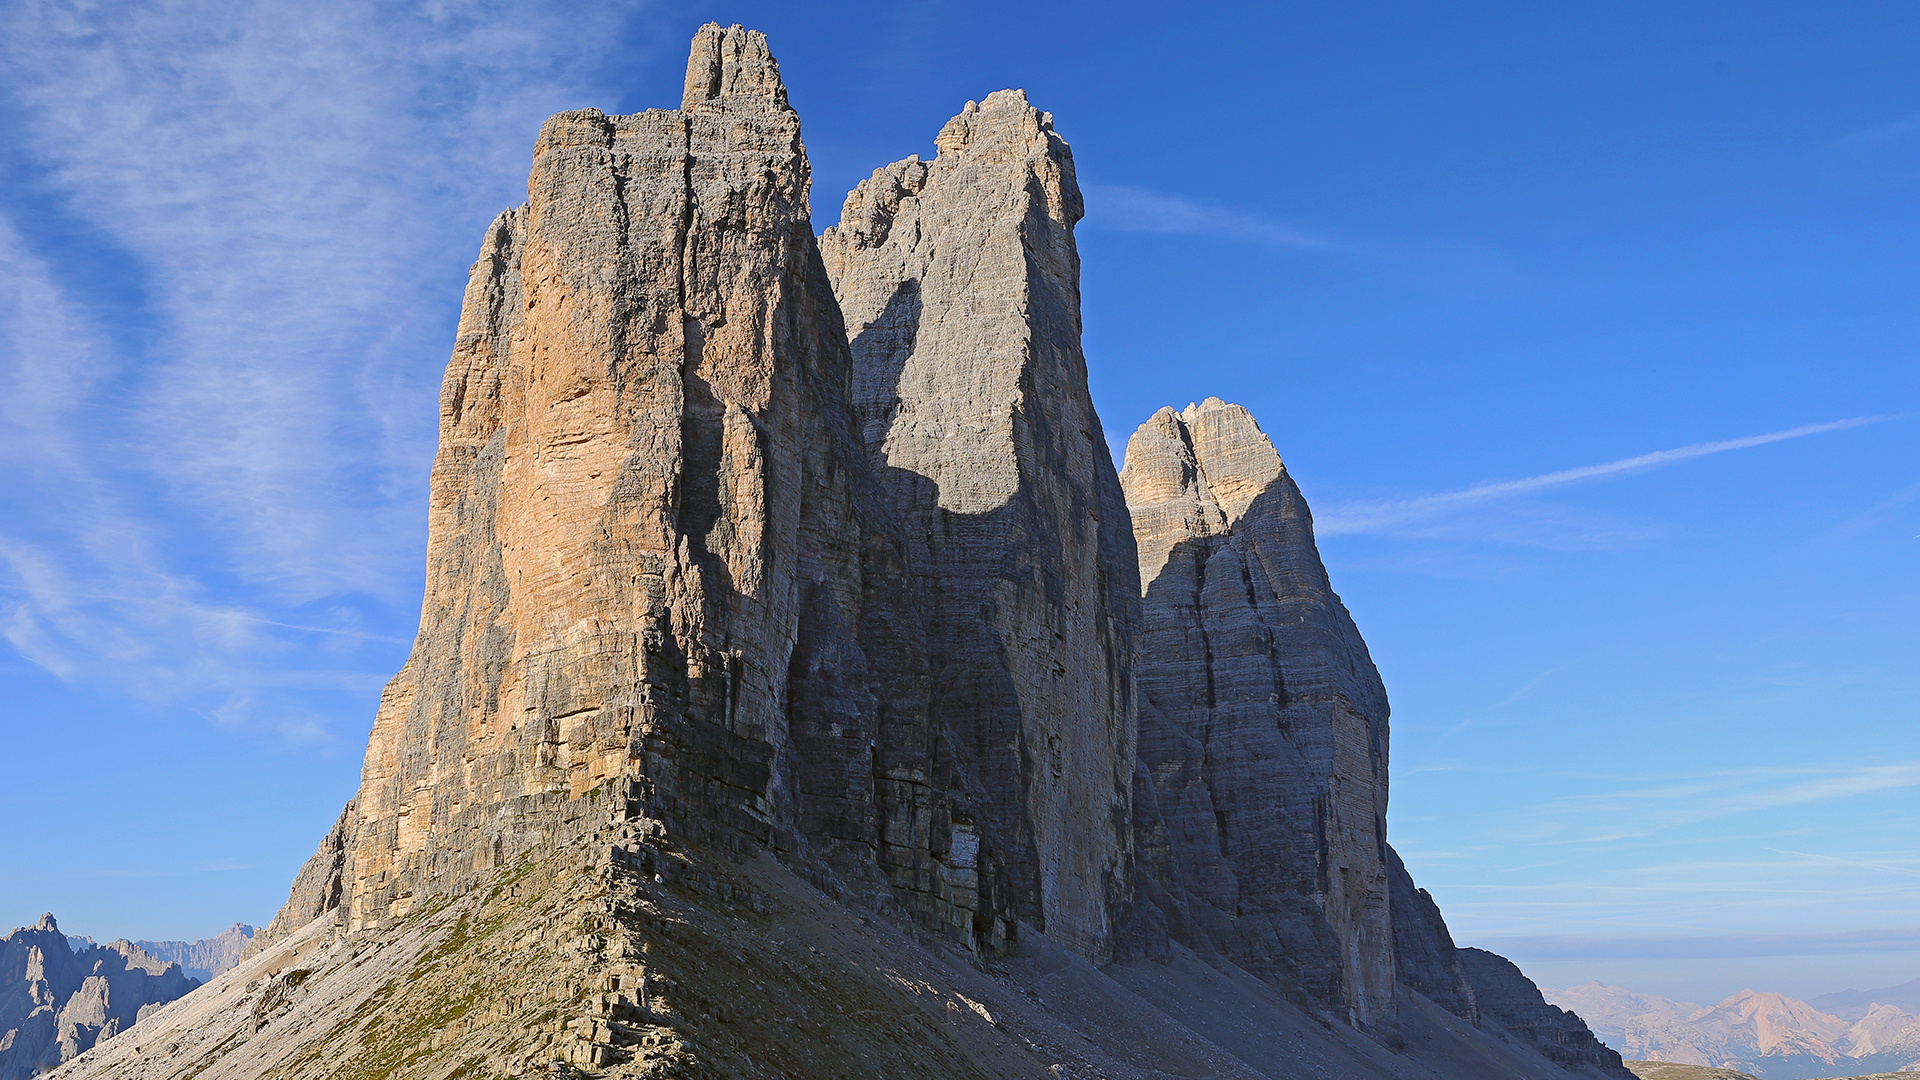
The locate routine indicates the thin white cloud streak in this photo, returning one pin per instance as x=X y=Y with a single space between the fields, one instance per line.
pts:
x=302 y=186
x=1131 y=209
x=1374 y=516
x=67 y=526
x=1667 y=802
x=296 y=190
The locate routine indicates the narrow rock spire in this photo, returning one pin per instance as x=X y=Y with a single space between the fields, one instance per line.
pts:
x=960 y=284
x=730 y=69
x=1263 y=724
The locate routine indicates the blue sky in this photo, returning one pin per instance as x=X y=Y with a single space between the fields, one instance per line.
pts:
x=1480 y=270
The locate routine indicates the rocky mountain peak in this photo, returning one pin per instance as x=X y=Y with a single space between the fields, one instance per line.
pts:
x=960 y=285
x=731 y=70
x=1262 y=720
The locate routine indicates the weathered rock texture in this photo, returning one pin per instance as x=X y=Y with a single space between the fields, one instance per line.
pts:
x=1424 y=956
x=659 y=579
x=55 y=1003
x=1263 y=724
x=960 y=285
x=205 y=958
x=1509 y=1001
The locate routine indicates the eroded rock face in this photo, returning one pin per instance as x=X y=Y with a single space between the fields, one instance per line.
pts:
x=959 y=281
x=1509 y=1000
x=55 y=1004
x=1424 y=955
x=659 y=579
x=1263 y=724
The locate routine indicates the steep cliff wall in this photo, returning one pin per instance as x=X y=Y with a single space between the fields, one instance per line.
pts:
x=715 y=571
x=1263 y=724
x=659 y=578
x=960 y=284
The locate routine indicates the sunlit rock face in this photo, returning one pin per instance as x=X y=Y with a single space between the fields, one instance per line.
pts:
x=959 y=281
x=1263 y=724
x=659 y=574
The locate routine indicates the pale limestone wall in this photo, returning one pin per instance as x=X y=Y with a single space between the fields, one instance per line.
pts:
x=959 y=281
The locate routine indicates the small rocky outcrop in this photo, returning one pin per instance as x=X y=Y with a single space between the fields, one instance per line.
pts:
x=55 y=1003
x=1424 y=955
x=1263 y=724
x=1509 y=1001
x=960 y=285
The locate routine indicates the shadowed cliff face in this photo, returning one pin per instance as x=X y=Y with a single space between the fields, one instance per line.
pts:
x=660 y=578
x=959 y=280
x=1263 y=724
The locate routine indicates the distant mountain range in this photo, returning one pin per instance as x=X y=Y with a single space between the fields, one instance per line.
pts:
x=1771 y=1036
x=201 y=959
x=205 y=958
x=57 y=1001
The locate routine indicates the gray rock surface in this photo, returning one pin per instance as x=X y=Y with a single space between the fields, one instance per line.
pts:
x=1263 y=724
x=960 y=285
x=1424 y=955
x=740 y=970
x=660 y=577
x=757 y=641
x=205 y=958
x=1508 y=1001
x=55 y=1003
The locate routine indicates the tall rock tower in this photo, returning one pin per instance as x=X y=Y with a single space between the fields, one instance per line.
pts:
x=659 y=573
x=960 y=285
x=1263 y=724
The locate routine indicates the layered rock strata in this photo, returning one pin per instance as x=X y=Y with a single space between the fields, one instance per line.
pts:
x=960 y=285
x=659 y=578
x=55 y=1004
x=1263 y=724
x=1424 y=955
x=1508 y=1000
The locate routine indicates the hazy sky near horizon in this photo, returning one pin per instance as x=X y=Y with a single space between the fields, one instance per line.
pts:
x=1588 y=332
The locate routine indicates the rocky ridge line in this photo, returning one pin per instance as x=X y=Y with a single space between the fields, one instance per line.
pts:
x=55 y=1004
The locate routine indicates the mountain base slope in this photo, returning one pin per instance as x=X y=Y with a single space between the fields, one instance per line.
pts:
x=650 y=960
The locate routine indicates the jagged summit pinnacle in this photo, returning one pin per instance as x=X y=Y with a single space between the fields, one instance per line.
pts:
x=730 y=69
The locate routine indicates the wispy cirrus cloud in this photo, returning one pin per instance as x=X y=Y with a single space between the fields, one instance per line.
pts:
x=1374 y=516
x=1687 y=799
x=229 y=270
x=1132 y=209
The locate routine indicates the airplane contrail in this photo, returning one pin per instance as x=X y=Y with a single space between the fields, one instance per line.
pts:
x=1363 y=517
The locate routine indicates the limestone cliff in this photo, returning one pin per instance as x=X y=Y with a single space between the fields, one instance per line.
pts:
x=56 y=1004
x=659 y=577
x=1263 y=724
x=960 y=285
